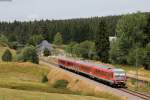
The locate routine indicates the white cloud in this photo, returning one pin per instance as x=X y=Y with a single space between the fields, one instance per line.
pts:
x=64 y=9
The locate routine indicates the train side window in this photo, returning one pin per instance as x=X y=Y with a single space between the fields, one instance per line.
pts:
x=109 y=75
x=104 y=73
x=97 y=71
x=101 y=72
x=85 y=68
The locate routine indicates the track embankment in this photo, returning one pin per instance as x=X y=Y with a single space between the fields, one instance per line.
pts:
x=83 y=84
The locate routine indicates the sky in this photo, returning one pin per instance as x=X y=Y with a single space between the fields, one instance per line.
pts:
x=25 y=10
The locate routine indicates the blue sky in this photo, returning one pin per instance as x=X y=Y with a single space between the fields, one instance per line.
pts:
x=24 y=10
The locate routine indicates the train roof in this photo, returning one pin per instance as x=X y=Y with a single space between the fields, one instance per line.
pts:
x=89 y=63
x=93 y=64
x=117 y=70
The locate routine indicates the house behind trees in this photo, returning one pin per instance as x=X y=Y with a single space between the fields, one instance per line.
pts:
x=42 y=46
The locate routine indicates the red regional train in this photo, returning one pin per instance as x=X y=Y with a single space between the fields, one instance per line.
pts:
x=113 y=76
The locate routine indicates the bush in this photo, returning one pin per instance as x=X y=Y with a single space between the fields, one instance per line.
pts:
x=44 y=79
x=7 y=56
x=46 y=52
x=29 y=53
x=60 y=84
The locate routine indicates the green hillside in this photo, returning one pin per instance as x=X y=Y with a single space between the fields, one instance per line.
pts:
x=25 y=81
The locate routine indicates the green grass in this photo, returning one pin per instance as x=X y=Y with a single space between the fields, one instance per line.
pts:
x=9 y=94
x=142 y=87
x=22 y=71
x=26 y=76
x=33 y=86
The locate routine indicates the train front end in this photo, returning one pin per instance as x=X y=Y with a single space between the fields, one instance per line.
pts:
x=120 y=77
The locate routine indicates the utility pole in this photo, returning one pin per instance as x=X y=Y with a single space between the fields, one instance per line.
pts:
x=136 y=65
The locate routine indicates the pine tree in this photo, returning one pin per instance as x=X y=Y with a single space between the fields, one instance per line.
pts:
x=35 y=40
x=58 y=39
x=7 y=56
x=147 y=31
x=102 y=42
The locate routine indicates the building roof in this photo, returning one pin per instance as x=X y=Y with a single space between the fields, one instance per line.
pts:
x=44 y=44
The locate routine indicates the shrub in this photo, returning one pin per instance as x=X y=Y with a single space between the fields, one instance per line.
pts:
x=29 y=53
x=60 y=84
x=44 y=79
x=7 y=56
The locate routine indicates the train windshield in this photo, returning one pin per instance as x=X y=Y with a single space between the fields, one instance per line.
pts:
x=119 y=75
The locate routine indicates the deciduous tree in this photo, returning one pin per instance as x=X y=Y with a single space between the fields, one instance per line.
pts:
x=58 y=39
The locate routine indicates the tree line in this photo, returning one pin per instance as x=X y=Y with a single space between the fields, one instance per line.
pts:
x=132 y=45
x=72 y=30
x=89 y=37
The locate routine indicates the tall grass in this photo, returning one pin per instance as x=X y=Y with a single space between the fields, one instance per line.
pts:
x=9 y=94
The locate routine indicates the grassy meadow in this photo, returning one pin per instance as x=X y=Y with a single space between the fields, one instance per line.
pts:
x=9 y=94
x=26 y=81
x=26 y=76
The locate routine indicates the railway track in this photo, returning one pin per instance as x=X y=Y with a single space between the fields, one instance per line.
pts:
x=135 y=93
